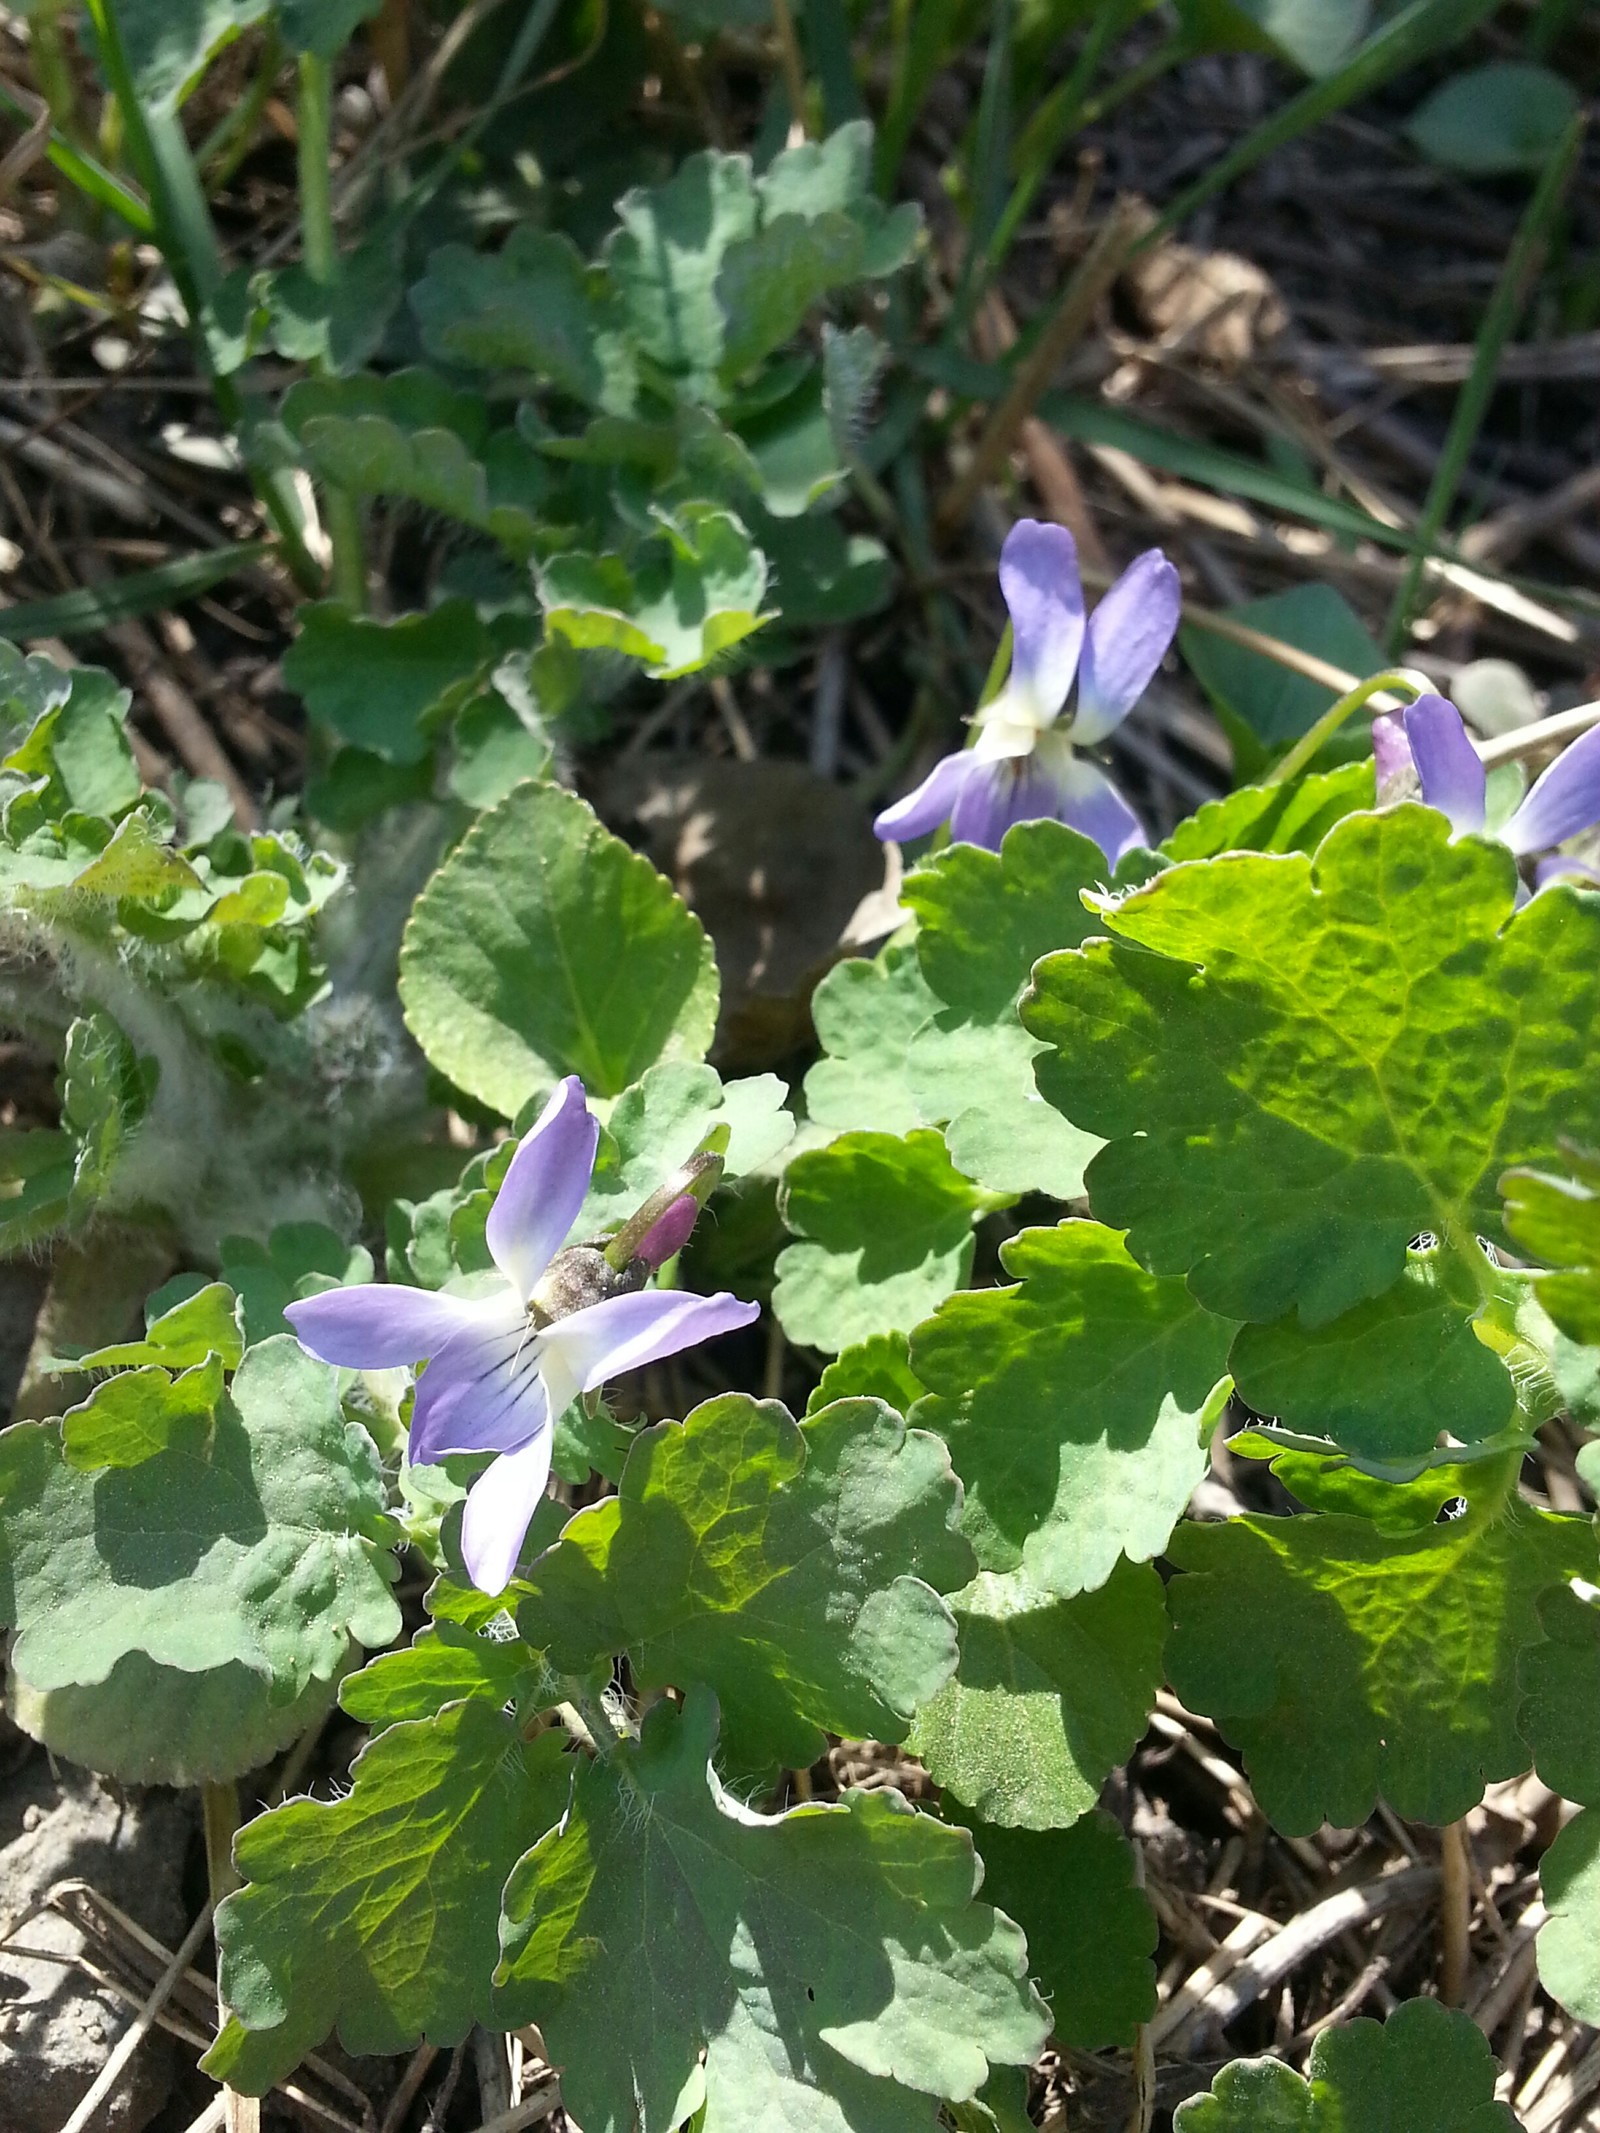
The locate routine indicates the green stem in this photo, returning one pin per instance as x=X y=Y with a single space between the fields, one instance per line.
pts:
x=320 y=249
x=1472 y=402
x=231 y=139
x=81 y=169
x=188 y=240
x=1304 y=749
x=48 y=55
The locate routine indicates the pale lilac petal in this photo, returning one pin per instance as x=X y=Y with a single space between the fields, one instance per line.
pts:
x=1092 y=805
x=985 y=809
x=1394 y=766
x=1563 y=801
x=931 y=802
x=499 y=1509
x=1565 y=868
x=481 y=1393
x=1450 y=768
x=380 y=1325
x=544 y=1188
x=626 y=1332
x=1126 y=640
x=1039 y=577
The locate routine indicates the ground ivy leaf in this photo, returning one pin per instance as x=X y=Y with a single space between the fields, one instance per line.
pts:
x=266 y=1546
x=1569 y=1945
x=372 y=683
x=544 y=947
x=138 y=1413
x=440 y=1811
x=831 y=1963
x=984 y=920
x=200 y=1324
x=875 y=1369
x=1347 y=1662
x=1071 y=1404
x=1300 y=1064
x=1384 y=1378
x=156 y=1725
x=655 y=1127
x=887 y=1230
x=794 y=1568
x=1560 y=1714
x=1274 y=818
x=443 y=1663
x=1091 y=1931
x=1426 y=2070
x=686 y=599
x=1557 y=1219
x=1050 y=1696
x=866 y=1013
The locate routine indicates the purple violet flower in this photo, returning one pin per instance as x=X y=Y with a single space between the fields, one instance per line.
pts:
x=502 y=1367
x=1429 y=741
x=1025 y=762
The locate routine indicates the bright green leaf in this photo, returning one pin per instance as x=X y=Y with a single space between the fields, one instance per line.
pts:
x=1274 y=818
x=440 y=1811
x=655 y=1126
x=875 y=1369
x=138 y=1413
x=1426 y=2070
x=691 y=595
x=866 y=1012
x=1071 y=1404
x=1346 y=1662
x=886 y=1230
x=793 y=1568
x=1557 y=1219
x=544 y=947
x=1560 y=1714
x=1050 y=1696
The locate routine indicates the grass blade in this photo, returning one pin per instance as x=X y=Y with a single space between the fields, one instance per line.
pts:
x=1472 y=402
x=141 y=592
x=92 y=179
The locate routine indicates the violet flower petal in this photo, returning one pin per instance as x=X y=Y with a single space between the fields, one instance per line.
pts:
x=1039 y=577
x=1564 y=799
x=1126 y=640
x=625 y=1332
x=1450 y=768
x=987 y=804
x=544 y=1188
x=485 y=1393
x=499 y=1509
x=379 y=1325
x=1394 y=767
x=1092 y=805
x=930 y=803
x=1563 y=867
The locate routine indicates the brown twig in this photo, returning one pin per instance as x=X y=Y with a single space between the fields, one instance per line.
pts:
x=1455 y=1914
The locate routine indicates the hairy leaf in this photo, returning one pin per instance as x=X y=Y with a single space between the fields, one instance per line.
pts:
x=1050 y=1696
x=866 y=1012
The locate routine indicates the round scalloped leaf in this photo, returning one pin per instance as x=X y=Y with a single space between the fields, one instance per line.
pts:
x=875 y=1369
x=656 y=1125
x=1558 y=1220
x=866 y=1013
x=1050 y=1696
x=264 y=1545
x=1072 y=1404
x=1569 y=1944
x=1274 y=818
x=439 y=1813
x=885 y=1225
x=1300 y=1065
x=831 y=1964
x=154 y=1725
x=1560 y=1714
x=793 y=1567
x=1426 y=2070
x=544 y=947
x=1091 y=1931
x=1347 y=1662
